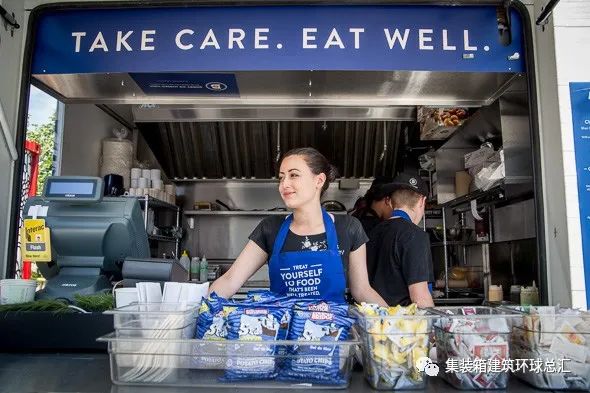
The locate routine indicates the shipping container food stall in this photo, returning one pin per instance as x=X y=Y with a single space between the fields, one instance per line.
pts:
x=194 y=105
x=446 y=92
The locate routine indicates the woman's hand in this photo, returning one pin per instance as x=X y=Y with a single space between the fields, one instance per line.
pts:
x=249 y=261
x=359 y=279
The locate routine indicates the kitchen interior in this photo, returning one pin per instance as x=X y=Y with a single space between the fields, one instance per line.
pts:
x=467 y=134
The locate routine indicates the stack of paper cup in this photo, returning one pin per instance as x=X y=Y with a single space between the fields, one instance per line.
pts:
x=143 y=182
x=155 y=174
x=157 y=184
x=170 y=189
x=170 y=193
x=135 y=175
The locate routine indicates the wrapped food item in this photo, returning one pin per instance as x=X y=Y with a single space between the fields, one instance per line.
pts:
x=561 y=338
x=213 y=313
x=316 y=363
x=325 y=306
x=395 y=339
x=253 y=361
x=212 y=326
x=471 y=339
x=440 y=123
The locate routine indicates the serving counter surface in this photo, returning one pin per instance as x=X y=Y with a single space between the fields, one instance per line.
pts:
x=83 y=372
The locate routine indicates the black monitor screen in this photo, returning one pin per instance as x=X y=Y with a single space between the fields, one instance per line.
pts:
x=72 y=188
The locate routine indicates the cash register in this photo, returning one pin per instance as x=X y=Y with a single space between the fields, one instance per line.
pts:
x=91 y=237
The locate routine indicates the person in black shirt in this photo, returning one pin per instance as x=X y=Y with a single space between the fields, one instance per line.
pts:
x=398 y=252
x=375 y=206
x=310 y=253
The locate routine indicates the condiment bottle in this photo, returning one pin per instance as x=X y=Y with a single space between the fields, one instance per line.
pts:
x=495 y=293
x=195 y=272
x=529 y=296
x=204 y=269
x=185 y=261
x=515 y=294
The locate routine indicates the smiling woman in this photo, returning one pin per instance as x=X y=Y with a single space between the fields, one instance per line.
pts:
x=311 y=253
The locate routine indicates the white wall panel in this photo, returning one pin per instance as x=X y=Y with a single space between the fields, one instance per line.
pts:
x=10 y=76
x=85 y=126
x=571 y=13
x=579 y=300
x=556 y=228
x=572 y=49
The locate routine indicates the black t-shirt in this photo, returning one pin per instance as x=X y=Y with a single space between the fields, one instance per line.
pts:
x=348 y=229
x=369 y=220
x=398 y=255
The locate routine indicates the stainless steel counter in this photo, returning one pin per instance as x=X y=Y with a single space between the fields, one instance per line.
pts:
x=54 y=372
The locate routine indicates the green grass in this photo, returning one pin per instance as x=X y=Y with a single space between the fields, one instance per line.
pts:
x=39 y=305
x=95 y=303
x=91 y=303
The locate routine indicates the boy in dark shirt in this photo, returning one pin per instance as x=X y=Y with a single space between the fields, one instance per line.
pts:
x=399 y=250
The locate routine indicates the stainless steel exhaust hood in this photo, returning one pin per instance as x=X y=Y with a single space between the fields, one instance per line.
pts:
x=260 y=89
x=250 y=150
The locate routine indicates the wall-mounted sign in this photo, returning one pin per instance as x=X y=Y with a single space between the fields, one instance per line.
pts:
x=580 y=98
x=364 y=37
x=187 y=84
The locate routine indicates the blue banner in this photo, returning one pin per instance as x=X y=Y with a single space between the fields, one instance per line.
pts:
x=187 y=84
x=580 y=97
x=311 y=37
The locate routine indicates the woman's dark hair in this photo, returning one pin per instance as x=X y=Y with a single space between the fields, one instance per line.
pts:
x=363 y=205
x=316 y=162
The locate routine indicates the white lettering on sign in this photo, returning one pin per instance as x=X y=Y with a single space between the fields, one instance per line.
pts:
x=122 y=41
x=145 y=39
x=78 y=35
x=357 y=39
x=446 y=45
x=259 y=38
x=334 y=39
x=423 y=39
x=307 y=38
x=178 y=39
x=210 y=40
x=397 y=37
x=237 y=40
x=466 y=45
x=99 y=43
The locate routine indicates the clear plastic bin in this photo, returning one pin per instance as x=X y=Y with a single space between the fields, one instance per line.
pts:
x=155 y=316
x=135 y=330
x=555 y=349
x=391 y=347
x=473 y=346
x=251 y=364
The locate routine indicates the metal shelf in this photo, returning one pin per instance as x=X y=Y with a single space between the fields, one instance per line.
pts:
x=162 y=238
x=458 y=243
x=492 y=192
x=241 y=213
x=153 y=202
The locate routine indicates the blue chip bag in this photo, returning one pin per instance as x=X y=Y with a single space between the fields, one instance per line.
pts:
x=212 y=321
x=259 y=295
x=253 y=361
x=316 y=363
x=325 y=306
x=212 y=326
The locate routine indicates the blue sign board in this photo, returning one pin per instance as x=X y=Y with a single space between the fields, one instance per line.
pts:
x=256 y=38
x=580 y=97
x=187 y=84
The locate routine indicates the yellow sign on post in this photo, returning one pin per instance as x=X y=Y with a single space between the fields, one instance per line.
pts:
x=36 y=241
